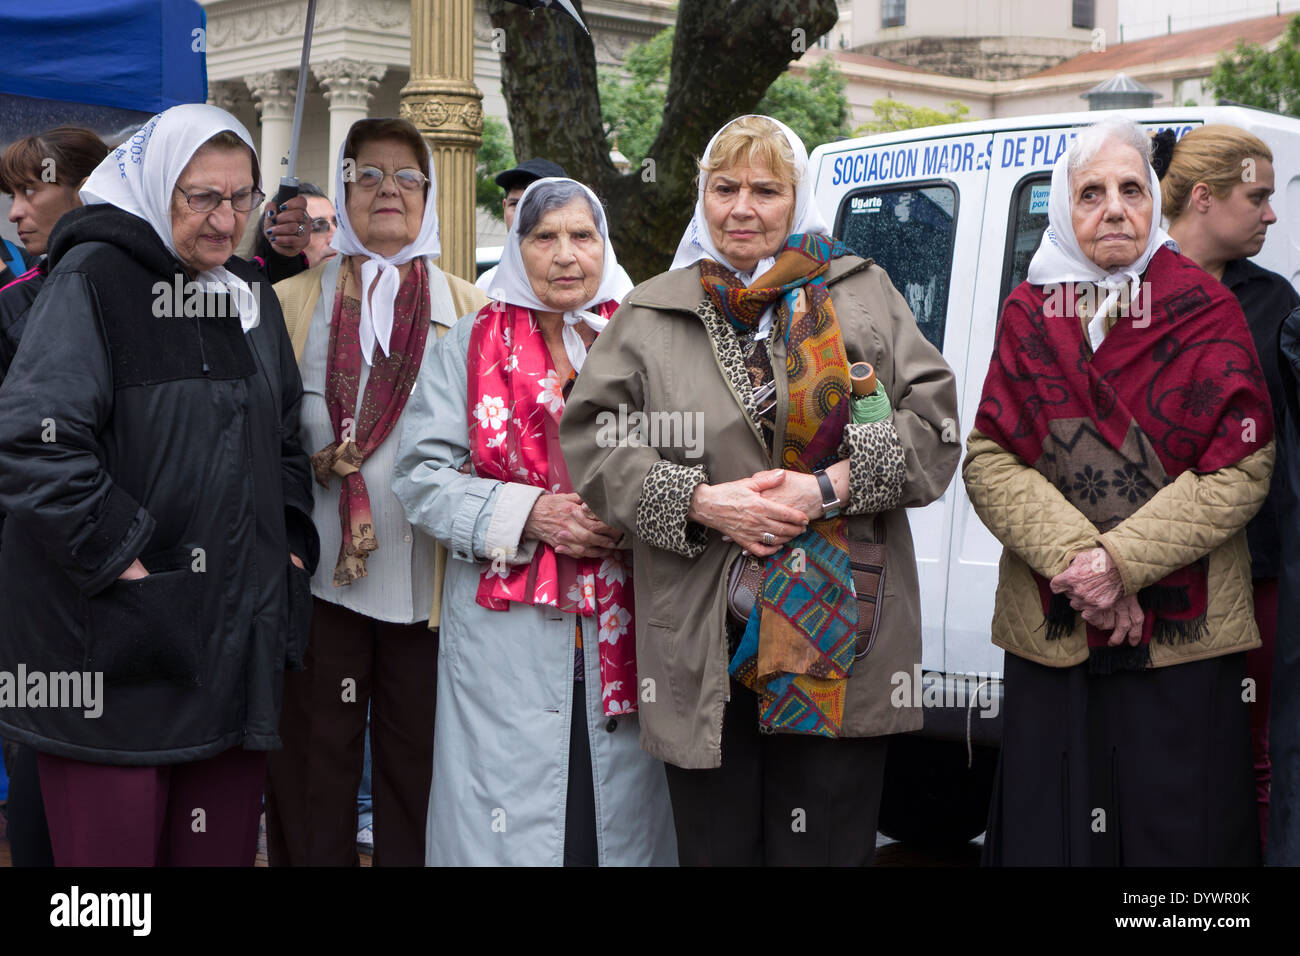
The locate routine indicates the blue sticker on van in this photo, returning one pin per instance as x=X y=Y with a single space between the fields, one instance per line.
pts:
x=1038 y=194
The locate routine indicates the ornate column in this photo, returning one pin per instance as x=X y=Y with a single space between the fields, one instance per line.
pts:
x=273 y=95
x=445 y=105
x=228 y=95
x=349 y=86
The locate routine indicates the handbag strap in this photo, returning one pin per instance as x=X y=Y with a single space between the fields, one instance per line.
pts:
x=867 y=564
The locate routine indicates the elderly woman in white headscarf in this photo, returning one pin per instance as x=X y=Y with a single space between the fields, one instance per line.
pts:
x=536 y=760
x=732 y=374
x=158 y=508
x=365 y=326
x=1123 y=441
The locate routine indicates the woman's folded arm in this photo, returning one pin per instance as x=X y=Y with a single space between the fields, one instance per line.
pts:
x=1187 y=519
x=476 y=518
x=924 y=400
x=1022 y=509
x=630 y=486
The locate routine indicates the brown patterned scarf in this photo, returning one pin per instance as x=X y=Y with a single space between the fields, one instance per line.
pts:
x=392 y=377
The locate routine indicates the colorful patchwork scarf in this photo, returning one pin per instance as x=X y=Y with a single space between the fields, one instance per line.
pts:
x=801 y=638
x=515 y=403
x=1174 y=385
x=359 y=431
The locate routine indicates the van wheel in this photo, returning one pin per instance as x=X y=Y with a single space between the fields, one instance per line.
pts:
x=931 y=798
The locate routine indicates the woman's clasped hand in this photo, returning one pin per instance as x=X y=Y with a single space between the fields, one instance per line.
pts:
x=1096 y=591
x=570 y=527
x=747 y=509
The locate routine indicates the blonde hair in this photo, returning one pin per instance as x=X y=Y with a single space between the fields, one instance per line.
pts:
x=752 y=141
x=1214 y=155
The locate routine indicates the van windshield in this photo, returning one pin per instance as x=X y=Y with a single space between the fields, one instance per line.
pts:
x=908 y=231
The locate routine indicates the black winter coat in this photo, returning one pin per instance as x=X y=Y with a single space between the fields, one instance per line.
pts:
x=15 y=299
x=1284 y=710
x=128 y=431
x=1266 y=300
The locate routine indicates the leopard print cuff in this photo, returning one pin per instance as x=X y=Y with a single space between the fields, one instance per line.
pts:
x=661 y=513
x=876 y=469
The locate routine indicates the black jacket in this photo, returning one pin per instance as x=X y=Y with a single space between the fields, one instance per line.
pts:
x=1266 y=300
x=128 y=431
x=1284 y=712
x=15 y=299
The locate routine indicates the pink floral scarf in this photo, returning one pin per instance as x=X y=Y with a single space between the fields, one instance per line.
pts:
x=515 y=403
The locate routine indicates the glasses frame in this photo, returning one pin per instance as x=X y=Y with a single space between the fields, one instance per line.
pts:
x=424 y=180
x=189 y=199
x=329 y=222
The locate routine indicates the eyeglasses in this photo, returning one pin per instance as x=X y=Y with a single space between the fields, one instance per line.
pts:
x=368 y=178
x=206 y=200
x=323 y=224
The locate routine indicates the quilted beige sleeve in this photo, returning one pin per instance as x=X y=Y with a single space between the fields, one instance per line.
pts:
x=1187 y=519
x=1022 y=509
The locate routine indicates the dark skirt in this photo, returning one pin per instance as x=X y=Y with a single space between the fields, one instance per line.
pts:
x=1134 y=768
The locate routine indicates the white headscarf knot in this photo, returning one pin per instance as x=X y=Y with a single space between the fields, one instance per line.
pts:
x=1060 y=259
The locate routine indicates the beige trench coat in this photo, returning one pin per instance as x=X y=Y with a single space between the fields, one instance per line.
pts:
x=667 y=350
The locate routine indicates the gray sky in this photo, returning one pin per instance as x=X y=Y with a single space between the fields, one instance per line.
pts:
x=1144 y=18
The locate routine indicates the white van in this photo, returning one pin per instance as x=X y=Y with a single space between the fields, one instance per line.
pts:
x=954 y=214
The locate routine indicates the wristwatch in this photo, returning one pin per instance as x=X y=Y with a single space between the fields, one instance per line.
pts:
x=830 y=501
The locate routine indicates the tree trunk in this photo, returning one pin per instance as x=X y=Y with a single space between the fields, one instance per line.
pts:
x=725 y=55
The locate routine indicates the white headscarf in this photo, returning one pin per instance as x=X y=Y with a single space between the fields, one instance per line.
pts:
x=1060 y=259
x=377 y=316
x=697 y=243
x=511 y=284
x=140 y=176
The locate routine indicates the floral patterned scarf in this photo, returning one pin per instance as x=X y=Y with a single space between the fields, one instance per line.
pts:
x=515 y=403
x=359 y=431
x=799 y=644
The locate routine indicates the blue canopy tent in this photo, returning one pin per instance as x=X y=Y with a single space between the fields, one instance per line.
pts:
x=141 y=55
x=107 y=65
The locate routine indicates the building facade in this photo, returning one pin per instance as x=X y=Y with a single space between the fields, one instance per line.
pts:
x=998 y=57
x=360 y=60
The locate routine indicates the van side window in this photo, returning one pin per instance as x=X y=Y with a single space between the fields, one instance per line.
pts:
x=1028 y=222
x=908 y=231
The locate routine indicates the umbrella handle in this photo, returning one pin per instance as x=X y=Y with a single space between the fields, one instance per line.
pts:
x=288 y=189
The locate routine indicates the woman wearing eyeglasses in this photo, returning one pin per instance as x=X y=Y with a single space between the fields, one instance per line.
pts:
x=157 y=508
x=363 y=324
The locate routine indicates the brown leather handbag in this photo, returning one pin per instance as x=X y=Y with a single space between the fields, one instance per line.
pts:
x=867 y=563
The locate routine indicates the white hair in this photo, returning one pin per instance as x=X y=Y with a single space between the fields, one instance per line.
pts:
x=1092 y=138
x=548 y=195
